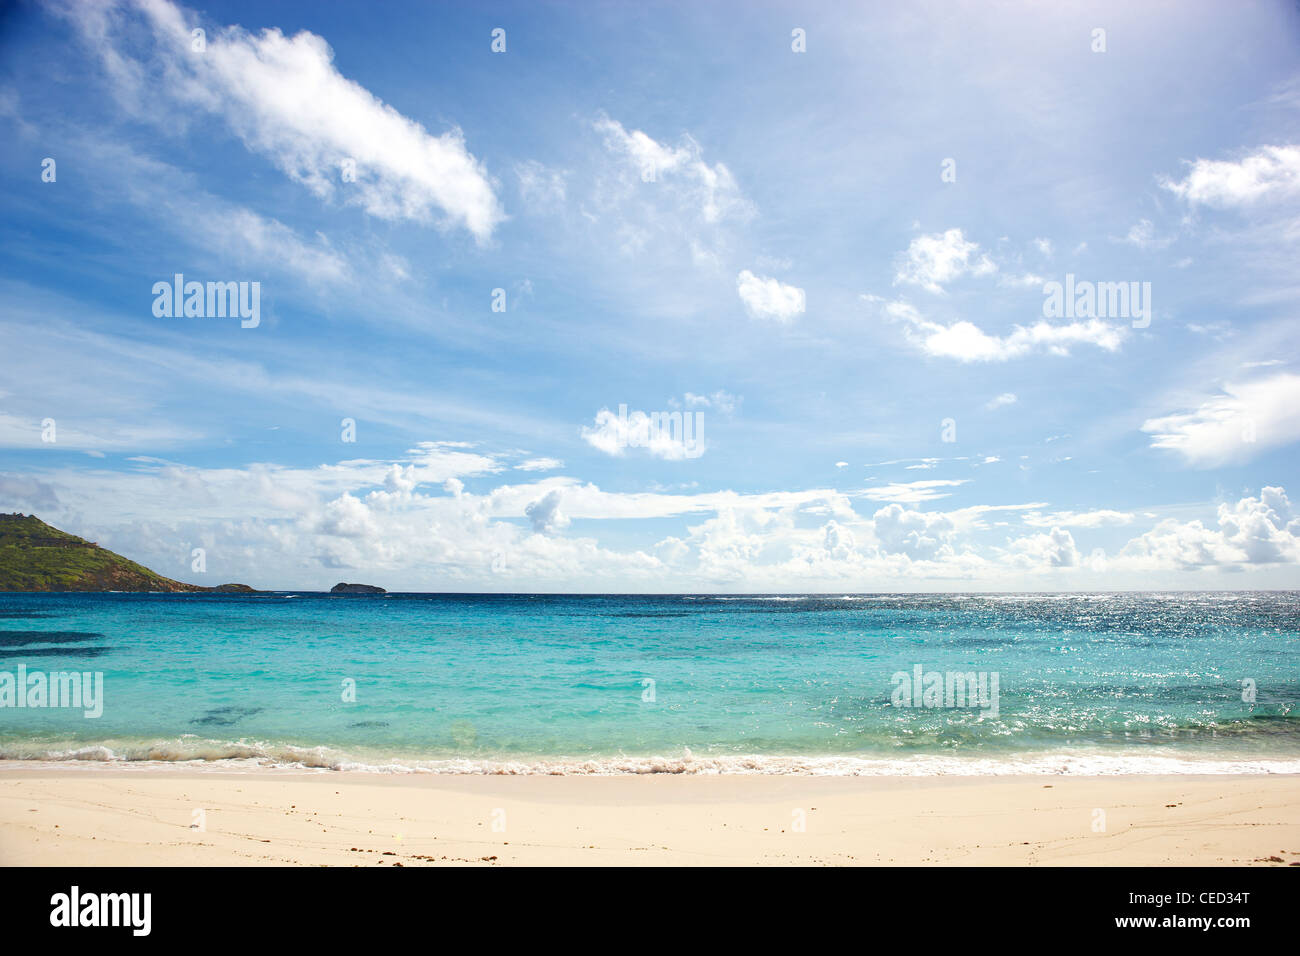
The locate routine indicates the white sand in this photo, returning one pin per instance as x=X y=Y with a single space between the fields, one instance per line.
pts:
x=144 y=815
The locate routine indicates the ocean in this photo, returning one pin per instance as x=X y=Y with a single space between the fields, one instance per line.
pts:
x=531 y=683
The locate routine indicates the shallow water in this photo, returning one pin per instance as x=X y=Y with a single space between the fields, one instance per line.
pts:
x=1086 y=683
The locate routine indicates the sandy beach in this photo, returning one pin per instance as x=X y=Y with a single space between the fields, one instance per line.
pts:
x=143 y=816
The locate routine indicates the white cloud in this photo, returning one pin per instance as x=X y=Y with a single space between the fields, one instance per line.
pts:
x=244 y=233
x=913 y=491
x=1254 y=531
x=1077 y=519
x=1234 y=426
x=1271 y=172
x=1143 y=235
x=26 y=492
x=711 y=189
x=672 y=436
x=719 y=401
x=284 y=97
x=932 y=261
x=838 y=540
x=1054 y=549
x=767 y=298
x=287 y=526
x=172 y=199
x=436 y=461
x=545 y=514
x=919 y=535
x=401 y=481
x=346 y=517
x=539 y=464
x=1006 y=398
x=93 y=433
x=967 y=342
x=540 y=186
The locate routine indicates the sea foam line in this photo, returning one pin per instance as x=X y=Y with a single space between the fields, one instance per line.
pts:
x=196 y=753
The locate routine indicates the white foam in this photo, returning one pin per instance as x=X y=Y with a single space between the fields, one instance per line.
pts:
x=197 y=753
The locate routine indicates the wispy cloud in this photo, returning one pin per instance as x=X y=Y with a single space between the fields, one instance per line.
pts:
x=1236 y=425
x=285 y=98
x=913 y=491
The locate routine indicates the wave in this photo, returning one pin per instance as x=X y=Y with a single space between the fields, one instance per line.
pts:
x=243 y=755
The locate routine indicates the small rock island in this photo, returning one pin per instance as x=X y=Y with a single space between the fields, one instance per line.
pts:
x=342 y=588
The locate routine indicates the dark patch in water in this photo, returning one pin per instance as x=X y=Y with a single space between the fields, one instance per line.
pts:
x=369 y=723
x=54 y=651
x=19 y=638
x=225 y=716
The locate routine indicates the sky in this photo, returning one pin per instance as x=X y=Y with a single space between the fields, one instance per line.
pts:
x=657 y=298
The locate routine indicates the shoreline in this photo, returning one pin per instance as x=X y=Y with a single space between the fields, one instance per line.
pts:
x=147 y=815
x=244 y=757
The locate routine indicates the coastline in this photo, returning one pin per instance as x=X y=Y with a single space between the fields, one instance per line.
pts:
x=148 y=814
x=210 y=756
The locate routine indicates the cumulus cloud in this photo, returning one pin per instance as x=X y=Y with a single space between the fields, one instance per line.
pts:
x=1054 y=549
x=1234 y=426
x=545 y=514
x=1269 y=173
x=287 y=101
x=967 y=342
x=1254 y=531
x=280 y=526
x=838 y=540
x=919 y=535
x=934 y=260
x=347 y=517
x=767 y=298
x=1006 y=398
x=399 y=480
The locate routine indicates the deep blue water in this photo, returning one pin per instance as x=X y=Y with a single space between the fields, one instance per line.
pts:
x=1086 y=682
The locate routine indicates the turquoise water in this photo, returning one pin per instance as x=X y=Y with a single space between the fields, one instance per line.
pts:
x=1086 y=683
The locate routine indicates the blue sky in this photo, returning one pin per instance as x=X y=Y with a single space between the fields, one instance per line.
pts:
x=835 y=260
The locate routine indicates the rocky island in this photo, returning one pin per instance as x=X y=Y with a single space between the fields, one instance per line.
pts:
x=342 y=588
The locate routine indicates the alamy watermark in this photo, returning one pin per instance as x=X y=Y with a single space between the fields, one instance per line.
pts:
x=76 y=689
x=75 y=908
x=671 y=435
x=946 y=689
x=1098 y=300
x=213 y=300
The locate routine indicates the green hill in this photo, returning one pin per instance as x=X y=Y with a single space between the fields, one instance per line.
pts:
x=37 y=557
